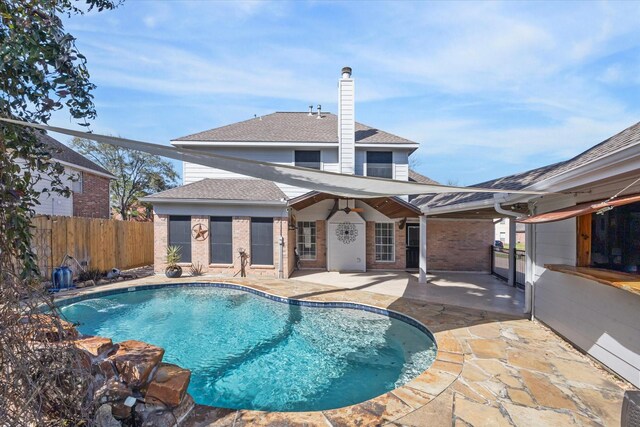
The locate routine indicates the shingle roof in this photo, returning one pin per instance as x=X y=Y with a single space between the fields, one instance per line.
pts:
x=224 y=189
x=625 y=138
x=292 y=127
x=416 y=177
x=510 y=182
x=61 y=152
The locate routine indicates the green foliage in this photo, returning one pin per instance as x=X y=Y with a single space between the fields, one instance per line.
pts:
x=92 y=274
x=41 y=71
x=173 y=256
x=196 y=269
x=137 y=174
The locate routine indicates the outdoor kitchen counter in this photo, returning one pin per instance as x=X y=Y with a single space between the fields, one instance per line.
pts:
x=625 y=281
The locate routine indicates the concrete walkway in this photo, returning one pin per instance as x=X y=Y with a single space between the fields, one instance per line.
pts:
x=472 y=290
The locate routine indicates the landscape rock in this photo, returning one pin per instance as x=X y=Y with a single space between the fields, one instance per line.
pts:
x=169 y=385
x=135 y=360
x=113 y=391
x=94 y=345
x=104 y=418
x=44 y=328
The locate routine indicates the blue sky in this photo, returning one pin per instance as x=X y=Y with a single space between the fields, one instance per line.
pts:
x=487 y=89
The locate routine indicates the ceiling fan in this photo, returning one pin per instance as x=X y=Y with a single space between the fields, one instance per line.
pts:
x=347 y=209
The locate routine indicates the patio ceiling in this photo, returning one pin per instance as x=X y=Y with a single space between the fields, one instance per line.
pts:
x=391 y=207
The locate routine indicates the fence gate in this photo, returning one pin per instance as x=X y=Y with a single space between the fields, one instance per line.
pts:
x=500 y=265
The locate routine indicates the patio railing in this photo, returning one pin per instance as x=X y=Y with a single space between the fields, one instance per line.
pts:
x=500 y=264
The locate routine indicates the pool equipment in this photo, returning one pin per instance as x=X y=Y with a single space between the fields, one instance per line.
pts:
x=62 y=276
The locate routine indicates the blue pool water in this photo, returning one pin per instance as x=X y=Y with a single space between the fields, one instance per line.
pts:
x=248 y=352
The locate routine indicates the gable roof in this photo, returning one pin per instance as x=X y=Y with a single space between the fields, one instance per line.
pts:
x=239 y=189
x=624 y=139
x=292 y=127
x=61 y=152
x=416 y=177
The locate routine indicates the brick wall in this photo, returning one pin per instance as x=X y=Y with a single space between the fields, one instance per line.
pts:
x=321 y=248
x=200 y=250
x=459 y=245
x=93 y=202
x=160 y=236
x=400 y=249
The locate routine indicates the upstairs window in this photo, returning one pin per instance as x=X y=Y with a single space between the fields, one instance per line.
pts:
x=308 y=159
x=380 y=164
x=78 y=185
x=615 y=239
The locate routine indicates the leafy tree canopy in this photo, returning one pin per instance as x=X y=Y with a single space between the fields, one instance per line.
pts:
x=137 y=174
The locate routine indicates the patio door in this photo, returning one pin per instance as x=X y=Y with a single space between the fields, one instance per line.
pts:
x=413 y=245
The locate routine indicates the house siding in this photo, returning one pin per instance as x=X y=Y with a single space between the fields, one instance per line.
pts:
x=601 y=320
x=93 y=201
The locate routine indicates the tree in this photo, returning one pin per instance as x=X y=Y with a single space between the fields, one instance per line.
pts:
x=137 y=174
x=41 y=71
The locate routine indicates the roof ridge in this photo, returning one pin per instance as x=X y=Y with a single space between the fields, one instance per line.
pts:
x=224 y=126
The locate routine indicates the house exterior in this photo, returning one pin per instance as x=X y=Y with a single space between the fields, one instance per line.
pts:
x=502 y=232
x=582 y=246
x=270 y=221
x=89 y=191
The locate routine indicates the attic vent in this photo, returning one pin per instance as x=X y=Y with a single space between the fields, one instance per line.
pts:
x=311 y=110
x=319 y=111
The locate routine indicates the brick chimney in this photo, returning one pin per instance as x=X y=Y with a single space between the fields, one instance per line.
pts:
x=346 y=123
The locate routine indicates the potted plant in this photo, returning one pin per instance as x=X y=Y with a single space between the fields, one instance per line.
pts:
x=173 y=270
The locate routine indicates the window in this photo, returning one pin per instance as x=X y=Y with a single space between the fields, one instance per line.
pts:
x=221 y=237
x=307 y=240
x=503 y=236
x=77 y=186
x=180 y=235
x=380 y=164
x=384 y=237
x=615 y=239
x=308 y=159
x=262 y=241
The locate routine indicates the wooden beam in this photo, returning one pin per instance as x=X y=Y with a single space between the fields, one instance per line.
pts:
x=583 y=243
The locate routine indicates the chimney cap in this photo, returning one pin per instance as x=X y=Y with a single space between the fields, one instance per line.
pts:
x=347 y=71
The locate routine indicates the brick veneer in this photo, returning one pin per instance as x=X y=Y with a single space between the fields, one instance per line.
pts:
x=459 y=245
x=93 y=202
x=241 y=239
x=321 y=248
x=400 y=262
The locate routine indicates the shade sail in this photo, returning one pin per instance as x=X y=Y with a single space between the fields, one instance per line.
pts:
x=579 y=210
x=326 y=182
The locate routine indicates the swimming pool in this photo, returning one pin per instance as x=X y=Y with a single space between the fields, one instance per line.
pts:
x=246 y=351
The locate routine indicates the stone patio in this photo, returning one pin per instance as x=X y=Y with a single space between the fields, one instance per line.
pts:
x=491 y=369
x=474 y=290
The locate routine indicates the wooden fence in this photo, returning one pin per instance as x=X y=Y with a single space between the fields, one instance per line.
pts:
x=94 y=243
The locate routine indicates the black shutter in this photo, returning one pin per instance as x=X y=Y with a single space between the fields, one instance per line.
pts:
x=180 y=235
x=262 y=241
x=221 y=236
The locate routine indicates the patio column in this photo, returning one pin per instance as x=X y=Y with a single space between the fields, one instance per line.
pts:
x=529 y=271
x=512 y=252
x=423 y=249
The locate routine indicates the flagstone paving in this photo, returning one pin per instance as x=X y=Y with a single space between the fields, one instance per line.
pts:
x=491 y=369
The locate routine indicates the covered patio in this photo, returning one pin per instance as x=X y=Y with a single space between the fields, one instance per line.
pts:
x=471 y=290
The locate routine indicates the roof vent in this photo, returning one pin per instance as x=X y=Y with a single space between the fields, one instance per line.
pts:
x=319 y=112
x=311 y=110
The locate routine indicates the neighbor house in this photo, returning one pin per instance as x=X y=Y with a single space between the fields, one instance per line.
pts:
x=582 y=246
x=89 y=184
x=269 y=221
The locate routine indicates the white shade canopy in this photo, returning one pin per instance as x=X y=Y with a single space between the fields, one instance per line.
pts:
x=327 y=182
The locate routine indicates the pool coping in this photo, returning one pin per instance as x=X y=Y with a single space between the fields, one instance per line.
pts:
x=386 y=408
